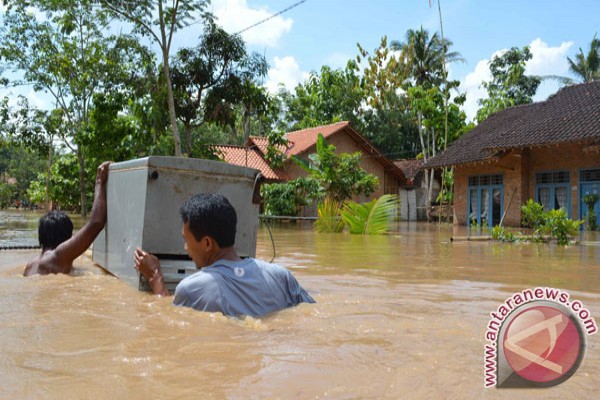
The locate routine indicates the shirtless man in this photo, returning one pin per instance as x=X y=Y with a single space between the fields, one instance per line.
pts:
x=59 y=248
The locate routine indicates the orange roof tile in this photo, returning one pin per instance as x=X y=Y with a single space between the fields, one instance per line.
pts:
x=248 y=157
x=305 y=139
x=262 y=144
x=302 y=140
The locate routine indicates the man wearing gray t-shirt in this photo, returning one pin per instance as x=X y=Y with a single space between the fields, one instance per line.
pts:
x=225 y=283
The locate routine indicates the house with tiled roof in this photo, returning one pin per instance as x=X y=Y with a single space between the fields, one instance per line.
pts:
x=251 y=156
x=302 y=143
x=547 y=151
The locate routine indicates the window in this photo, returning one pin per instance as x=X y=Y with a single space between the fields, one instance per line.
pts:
x=485 y=200
x=552 y=190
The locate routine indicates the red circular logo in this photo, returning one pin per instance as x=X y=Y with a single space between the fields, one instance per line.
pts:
x=542 y=344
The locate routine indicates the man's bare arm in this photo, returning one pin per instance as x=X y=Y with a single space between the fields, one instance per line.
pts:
x=67 y=252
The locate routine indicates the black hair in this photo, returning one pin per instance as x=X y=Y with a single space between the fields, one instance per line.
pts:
x=210 y=214
x=54 y=228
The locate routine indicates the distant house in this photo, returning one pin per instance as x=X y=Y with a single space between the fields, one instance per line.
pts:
x=302 y=143
x=547 y=151
x=413 y=197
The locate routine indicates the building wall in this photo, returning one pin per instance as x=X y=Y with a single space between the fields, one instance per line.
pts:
x=519 y=169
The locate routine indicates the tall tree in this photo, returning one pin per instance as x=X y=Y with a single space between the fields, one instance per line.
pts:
x=328 y=96
x=211 y=79
x=59 y=47
x=426 y=57
x=587 y=66
x=387 y=123
x=159 y=20
x=509 y=85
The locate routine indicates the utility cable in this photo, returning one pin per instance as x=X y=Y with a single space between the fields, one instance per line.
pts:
x=270 y=17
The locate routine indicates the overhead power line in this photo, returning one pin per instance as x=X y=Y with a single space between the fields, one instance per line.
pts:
x=270 y=17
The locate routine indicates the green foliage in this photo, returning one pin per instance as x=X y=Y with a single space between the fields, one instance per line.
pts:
x=326 y=97
x=275 y=149
x=590 y=201
x=446 y=194
x=502 y=234
x=532 y=214
x=159 y=20
x=587 y=67
x=371 y=218
x=388 y=124
x=7 y=194
x=288 y=199
x=553 y=223
x=558 y=226
x=62 y=47
x=211 y=79
x=18 y=166
x=339 y=175
x=509 y=85
x=64 y=184
x=329 y=219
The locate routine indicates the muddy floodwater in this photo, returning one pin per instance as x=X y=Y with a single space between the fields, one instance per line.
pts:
x=397 y=316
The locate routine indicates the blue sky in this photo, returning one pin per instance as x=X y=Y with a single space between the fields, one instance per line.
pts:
x=325 y=32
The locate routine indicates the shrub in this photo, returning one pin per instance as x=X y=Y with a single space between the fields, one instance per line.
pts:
x=288 y=199
x=533 y=214
x=590 y=201
x=558 y=226
x=502 y=234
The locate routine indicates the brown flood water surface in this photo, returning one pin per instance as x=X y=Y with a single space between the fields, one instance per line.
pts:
x=397 y=316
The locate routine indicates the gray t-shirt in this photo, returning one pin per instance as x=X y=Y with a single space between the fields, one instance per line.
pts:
x=247 y=287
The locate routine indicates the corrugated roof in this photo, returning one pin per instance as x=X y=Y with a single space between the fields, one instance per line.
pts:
x=570 y=115
x=249 y=157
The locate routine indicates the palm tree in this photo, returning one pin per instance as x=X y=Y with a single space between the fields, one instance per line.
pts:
x=587 y=68
x=427 y=57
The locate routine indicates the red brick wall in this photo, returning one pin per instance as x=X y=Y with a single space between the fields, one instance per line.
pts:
x=519 y=168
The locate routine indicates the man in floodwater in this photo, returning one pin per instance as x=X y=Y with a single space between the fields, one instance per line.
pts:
x=225 y=283
x=59 y=248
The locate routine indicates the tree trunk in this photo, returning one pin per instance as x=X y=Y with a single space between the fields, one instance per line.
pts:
x=81 y=181
x=171 y=104
x=246 y=124
x=426 y=172
x=165 y=48
x=48 y=177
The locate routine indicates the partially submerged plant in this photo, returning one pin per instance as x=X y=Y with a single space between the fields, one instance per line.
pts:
x=590 y=201
x=329 y=217
x=553 y=223
x=371 y=218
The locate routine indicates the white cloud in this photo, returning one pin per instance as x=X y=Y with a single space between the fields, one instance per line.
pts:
x=472 y=86
x=545 y=61
x=285 y=71
x=338 y=60
x=235 y=15
x=548 y=60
